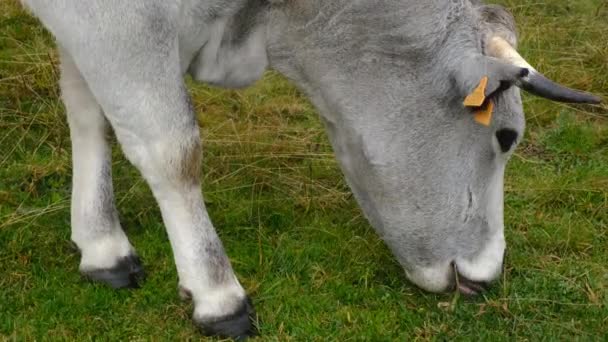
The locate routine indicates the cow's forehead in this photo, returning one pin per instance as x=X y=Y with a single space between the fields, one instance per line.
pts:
x=387 y=10
x=431 y=14
x=393 y=24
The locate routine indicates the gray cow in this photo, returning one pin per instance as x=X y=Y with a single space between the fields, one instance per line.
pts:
x=389 y=78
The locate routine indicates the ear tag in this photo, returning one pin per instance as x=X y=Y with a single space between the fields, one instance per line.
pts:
x=478 y=96
x=484 y=114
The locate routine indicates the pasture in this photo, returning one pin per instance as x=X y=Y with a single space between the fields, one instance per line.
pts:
x=312 y=264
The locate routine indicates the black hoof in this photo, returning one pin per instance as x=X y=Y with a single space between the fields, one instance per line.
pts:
x=238 y=325
x=127 y=273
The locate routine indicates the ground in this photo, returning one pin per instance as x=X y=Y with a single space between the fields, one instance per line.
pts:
x=313 y=265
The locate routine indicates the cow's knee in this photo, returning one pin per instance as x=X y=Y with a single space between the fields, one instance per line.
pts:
x=168 y=162
x=182 y=158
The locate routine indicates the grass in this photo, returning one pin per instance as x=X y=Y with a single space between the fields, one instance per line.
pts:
x=297 y=239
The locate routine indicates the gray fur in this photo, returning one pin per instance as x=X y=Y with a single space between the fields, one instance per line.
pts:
x=388 y=78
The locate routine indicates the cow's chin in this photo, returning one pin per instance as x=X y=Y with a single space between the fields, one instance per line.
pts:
x=473 y=268
x=469 y=276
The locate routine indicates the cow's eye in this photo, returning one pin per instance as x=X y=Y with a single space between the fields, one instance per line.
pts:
x=506 y=138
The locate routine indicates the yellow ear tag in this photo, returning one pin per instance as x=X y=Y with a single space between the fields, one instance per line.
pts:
x=478 y=96
x=484 y=114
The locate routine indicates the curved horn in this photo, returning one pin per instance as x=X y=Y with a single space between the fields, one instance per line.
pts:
x=533 y=81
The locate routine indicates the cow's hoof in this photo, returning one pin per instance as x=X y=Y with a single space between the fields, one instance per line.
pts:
x=238 y=325
x=127 y=273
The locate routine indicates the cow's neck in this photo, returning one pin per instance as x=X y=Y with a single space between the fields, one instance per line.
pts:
x=227 y=50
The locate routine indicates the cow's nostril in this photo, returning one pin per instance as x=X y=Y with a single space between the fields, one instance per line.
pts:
x=506 y=138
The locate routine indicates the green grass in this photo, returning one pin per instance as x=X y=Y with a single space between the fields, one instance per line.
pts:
x=297 y=239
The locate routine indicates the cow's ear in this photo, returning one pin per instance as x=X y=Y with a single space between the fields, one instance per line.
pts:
x=494 y=77
x=530 y=80
x=485 y=77
x=507 y=69
x=496 y=21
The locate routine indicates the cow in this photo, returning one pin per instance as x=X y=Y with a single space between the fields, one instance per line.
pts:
x=420 y=99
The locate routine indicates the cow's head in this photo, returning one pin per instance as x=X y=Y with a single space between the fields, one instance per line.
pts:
x=389 y=78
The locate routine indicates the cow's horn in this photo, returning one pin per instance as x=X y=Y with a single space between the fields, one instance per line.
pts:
x=533 y=81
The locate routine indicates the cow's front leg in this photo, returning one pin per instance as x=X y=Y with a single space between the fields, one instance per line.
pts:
x=160 y=136
x=107 y=255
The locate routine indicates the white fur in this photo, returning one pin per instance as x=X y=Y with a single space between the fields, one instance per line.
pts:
x=219 y=299
x=95 y=226
x=487 y=265
x=437 y=278
x=190 y=231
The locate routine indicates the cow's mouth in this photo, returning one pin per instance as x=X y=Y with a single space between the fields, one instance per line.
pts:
x=467 y=286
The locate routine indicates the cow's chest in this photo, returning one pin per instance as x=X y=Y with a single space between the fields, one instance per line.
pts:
x=215 y=53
